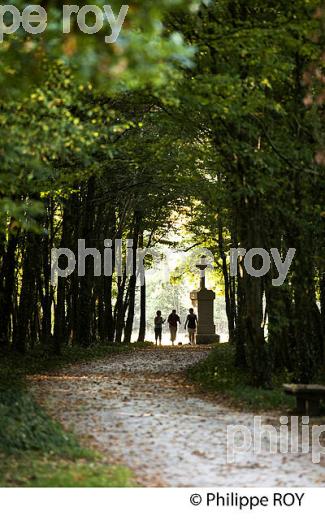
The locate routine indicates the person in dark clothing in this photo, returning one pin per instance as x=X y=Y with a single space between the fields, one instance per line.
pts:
x=191 y=322
x=173 y=320
x=159 y=321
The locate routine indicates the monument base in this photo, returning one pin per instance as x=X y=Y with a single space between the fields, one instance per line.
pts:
x=207 y=339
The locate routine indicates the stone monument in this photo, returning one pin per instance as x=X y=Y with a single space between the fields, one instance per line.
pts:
x=203 y=300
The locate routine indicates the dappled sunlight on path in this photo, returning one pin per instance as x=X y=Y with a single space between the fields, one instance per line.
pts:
x=140 y=410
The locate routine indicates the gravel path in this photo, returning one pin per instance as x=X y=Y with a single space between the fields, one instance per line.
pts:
x=139 y=409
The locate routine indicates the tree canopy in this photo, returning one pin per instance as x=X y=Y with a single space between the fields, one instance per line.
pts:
x=208 y=114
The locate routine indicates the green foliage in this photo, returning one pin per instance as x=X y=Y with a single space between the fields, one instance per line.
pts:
x=198 y=106
x=219 y=375
x=67 y=124
x=24 y=426
x=145 y=54
x=31 y=470
x=34 y=449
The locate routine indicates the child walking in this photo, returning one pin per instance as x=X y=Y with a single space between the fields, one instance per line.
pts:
x=191 y=322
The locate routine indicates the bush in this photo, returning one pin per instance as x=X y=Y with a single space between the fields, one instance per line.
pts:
x=219 y=374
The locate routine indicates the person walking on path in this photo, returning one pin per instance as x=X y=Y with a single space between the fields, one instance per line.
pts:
x=191 y=322
x=159 y=321
x=173 y=320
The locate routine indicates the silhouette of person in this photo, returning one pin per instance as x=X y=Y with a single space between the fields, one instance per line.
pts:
x=173 y=320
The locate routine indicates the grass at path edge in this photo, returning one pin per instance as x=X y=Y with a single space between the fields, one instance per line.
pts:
x=218 y=375
x=36 y=451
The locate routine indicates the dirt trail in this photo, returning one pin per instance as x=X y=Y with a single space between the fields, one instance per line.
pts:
x=138 y=408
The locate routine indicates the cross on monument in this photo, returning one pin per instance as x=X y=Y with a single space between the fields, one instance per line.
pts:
x=202 y=266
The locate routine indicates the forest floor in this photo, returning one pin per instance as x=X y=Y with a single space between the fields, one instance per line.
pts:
x=139 y=409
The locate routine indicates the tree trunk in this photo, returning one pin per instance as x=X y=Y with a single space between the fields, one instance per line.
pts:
x=7 y=287
x=142 y=327
x=86 y=283
x=28 y=295
x=133 y=280
x=229 y=311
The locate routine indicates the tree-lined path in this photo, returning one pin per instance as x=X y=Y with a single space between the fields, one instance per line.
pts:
x=140 y=410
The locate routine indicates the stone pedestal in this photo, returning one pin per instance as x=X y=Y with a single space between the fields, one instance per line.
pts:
x=203 y=301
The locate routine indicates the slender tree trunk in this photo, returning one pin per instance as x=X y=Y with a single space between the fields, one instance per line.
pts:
x=62 y=316
x=225 y=272
x=7 y=287
x=322 y=301
x=120 y=309
x=86 y=283
x=28 y=295
x=46 y=296
x=142 y=327
x=133 y=280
